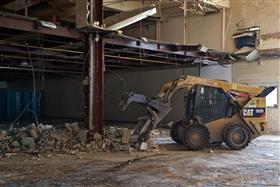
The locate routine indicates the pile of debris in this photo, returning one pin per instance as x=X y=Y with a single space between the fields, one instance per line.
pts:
x=38 y=138
x=69 y=140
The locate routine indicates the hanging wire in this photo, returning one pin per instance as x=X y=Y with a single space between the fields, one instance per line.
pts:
x=26 y=108
x=122 y=79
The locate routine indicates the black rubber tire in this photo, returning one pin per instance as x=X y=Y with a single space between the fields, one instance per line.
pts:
x=176 y=131
x=237 y=136
x=196 y=137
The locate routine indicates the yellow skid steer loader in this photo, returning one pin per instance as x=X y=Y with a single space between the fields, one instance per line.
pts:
x=216 y=111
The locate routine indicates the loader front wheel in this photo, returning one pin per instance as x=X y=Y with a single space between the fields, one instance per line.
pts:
x=237 y=136
x=196 y=137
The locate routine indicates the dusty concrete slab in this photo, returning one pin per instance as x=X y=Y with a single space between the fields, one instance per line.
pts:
x=257 y=165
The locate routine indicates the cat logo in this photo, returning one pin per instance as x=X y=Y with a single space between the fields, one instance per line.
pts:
x=248 y=112
x=253 y=112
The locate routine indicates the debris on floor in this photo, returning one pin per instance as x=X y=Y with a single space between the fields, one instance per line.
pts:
x=72 y=139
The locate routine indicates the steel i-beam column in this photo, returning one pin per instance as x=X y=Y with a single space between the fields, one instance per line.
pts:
x=97 y=69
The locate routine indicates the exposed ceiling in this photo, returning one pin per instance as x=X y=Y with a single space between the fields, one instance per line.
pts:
x=61 y=50
x=65 y=9
x=64 y=55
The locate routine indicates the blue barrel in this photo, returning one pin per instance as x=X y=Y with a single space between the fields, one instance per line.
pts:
x=13 y=102
x=3 y=105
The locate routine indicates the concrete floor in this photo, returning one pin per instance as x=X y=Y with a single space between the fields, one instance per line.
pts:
x=257 y=165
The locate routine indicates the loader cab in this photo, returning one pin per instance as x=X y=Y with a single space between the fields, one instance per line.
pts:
x=205 y=104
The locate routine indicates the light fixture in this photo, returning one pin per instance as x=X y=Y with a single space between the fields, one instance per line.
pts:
x=48 y=24
x=254 y=55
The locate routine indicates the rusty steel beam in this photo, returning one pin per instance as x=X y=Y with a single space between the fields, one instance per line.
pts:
x=152 y=45
x=98 y=71
x=21 y=23
x=33 y=25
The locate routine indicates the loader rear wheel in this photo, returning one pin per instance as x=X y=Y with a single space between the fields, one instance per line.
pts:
x=237 y=136
x=196 y=137
x=177 y=132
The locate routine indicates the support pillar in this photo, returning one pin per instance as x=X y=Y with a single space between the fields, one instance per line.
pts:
x=97 y=68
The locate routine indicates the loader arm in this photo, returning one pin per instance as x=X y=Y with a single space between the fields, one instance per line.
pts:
x=156 y=111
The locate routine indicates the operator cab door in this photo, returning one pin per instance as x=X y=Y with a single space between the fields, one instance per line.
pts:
x=209 y=104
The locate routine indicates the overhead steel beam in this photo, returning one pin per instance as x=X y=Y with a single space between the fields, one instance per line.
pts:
x=33 y=25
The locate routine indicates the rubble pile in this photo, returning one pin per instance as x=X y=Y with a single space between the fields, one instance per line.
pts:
x=69 y=140
x=43 y=138
x=119 y=139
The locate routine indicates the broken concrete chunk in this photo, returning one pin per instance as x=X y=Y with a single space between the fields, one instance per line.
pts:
x=82 y=136
x=75 y=127
x=130 y=150
x=28 y=142
x=42 y=127
x=97 y=137
x=126 y=136
x=155 y=132
x=3 y=135
x=15 y=144
x=107 y=142
x=34 y=132
x=59 y=137
x=114 y=132
x=103 y=146
x=68 y=127
x=124 y=147
x=144 y=146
